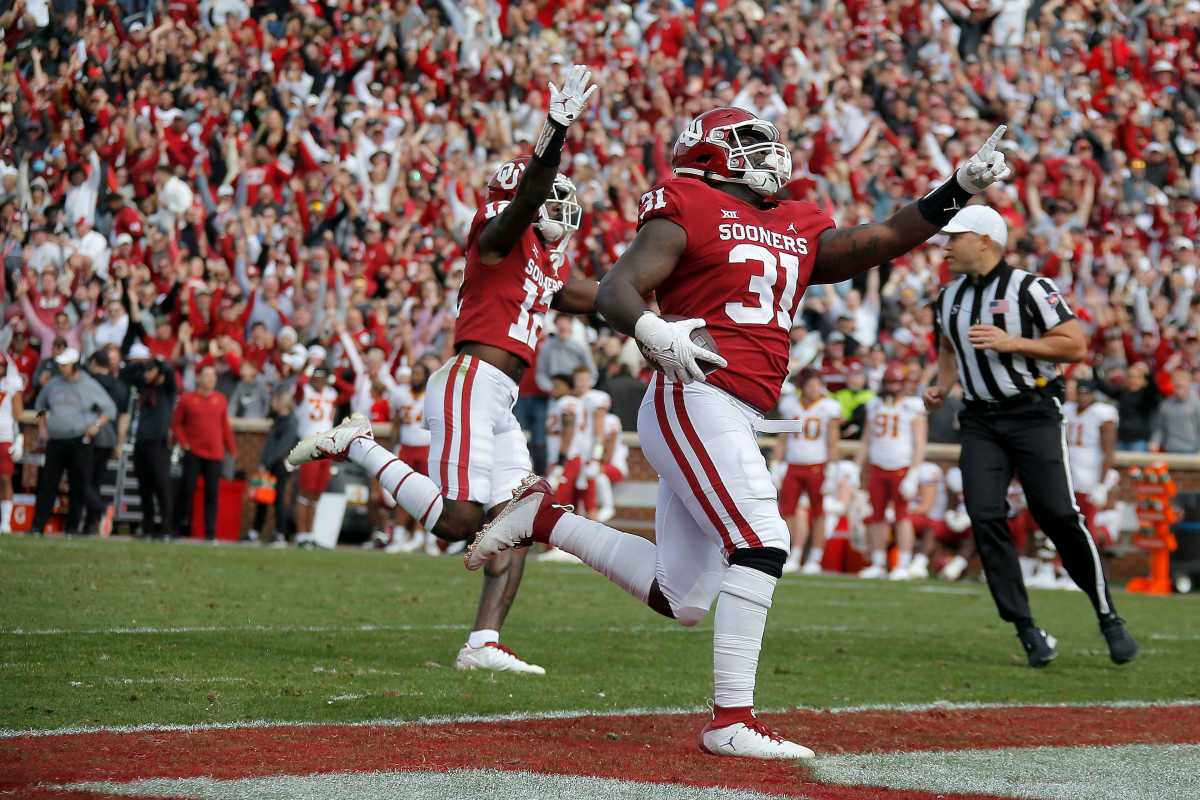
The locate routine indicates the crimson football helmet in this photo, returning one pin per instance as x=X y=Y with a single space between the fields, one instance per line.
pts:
x=732 y=145
x=558 y=217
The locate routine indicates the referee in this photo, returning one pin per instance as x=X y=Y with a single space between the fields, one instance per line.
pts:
x=1001 y=332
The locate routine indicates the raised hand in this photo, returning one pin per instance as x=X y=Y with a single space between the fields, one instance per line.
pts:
x=567 y=103
x=985 y=167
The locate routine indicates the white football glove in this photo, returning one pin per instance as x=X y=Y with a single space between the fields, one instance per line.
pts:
x=671 y=345
x=567 y=103
x=985 y=167
x=778 y=471
x=910 y=485
x=957 y=520
x=1099 y=495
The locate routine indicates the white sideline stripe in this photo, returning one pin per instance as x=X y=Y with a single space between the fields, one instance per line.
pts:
x=170 y=679
x=913 y=708
x=447 y=785
x=1046 y=773
x=664 y=628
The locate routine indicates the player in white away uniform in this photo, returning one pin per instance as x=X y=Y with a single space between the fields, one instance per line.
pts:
x=803 y=456
x=721 y=250
x=957 y=527
x=478 y=454
x=613 y=466
x=412 y=447
x=316 y=401
x=894 y=437
x=1091 y=430
x=11 y=442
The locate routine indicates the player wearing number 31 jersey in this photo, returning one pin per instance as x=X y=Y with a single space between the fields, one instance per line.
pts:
x=477 y=452
x=722 y=250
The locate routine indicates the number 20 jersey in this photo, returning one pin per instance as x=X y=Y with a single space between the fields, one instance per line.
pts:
x=504 y=304
x=743 y=272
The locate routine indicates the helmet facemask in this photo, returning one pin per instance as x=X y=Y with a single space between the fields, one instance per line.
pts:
x=561 y=214
x=755 y=152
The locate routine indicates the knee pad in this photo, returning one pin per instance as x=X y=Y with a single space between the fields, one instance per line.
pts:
x=769 y=560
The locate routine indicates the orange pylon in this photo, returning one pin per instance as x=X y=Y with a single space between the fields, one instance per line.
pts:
x=1154 y=489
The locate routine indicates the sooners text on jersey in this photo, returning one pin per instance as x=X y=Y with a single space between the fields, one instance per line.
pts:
x=743 y=272
x=504 y=304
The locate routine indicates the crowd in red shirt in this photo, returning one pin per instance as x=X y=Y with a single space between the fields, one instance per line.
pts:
x=246 y=173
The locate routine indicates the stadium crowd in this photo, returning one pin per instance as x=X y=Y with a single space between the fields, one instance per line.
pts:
x=237 y=197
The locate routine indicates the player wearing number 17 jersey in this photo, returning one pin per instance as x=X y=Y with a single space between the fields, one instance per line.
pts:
x=477 y=451
x=719 y=248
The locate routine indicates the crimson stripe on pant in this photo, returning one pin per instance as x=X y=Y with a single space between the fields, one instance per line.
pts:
x=464 y=438
x=383 y=469
x=396 y=491
x=710 y=469
x=664 y=424
x=448 y=419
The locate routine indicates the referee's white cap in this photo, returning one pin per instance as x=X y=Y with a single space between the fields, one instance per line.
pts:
x=983 y=220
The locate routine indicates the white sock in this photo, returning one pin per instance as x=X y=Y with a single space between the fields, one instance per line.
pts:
x=815 y=554
x=6 y=515
x=738 y=626
x=903 y=560
x=879 y=558
x=794 y=555
x=478 y=639
x=920 y=560
x=411 y=490
x=625 y=559
x=604 y=492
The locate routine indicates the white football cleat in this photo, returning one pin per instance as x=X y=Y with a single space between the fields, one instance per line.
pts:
x=918 y=572
x=901 y=574
x=333 y=443
x=873 y=572
x=513 y=526
x=750 y=740
x=954 y=569
x=811 y=568
x=791 y=566
x=557 y=555
x=495 y=657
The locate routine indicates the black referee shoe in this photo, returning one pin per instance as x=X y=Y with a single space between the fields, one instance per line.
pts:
x=1039 y=646
x=1121 y=647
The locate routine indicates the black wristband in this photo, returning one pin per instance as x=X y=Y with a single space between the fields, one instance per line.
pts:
x=562 y=460
x=548 y=148
x=939 y=206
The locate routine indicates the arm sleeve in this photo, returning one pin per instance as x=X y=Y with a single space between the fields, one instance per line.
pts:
x=1046 y=305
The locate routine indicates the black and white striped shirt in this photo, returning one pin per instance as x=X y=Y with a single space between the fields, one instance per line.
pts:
x=1021 y=303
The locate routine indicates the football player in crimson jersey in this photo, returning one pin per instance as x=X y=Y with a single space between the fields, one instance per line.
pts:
x=478 y=454
x=719 y=249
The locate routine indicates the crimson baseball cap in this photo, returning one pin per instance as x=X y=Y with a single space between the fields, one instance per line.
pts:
x=983 y=220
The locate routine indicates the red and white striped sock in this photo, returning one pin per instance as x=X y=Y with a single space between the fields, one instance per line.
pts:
x=625 y=559
x=411 y=490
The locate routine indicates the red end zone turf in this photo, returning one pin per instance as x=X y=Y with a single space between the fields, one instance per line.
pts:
x=656 y=749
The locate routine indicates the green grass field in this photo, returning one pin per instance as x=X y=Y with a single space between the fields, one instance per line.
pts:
x=107 y=633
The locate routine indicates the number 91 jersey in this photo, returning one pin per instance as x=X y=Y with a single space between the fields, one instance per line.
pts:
x=504 y=304
x=743 y=272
